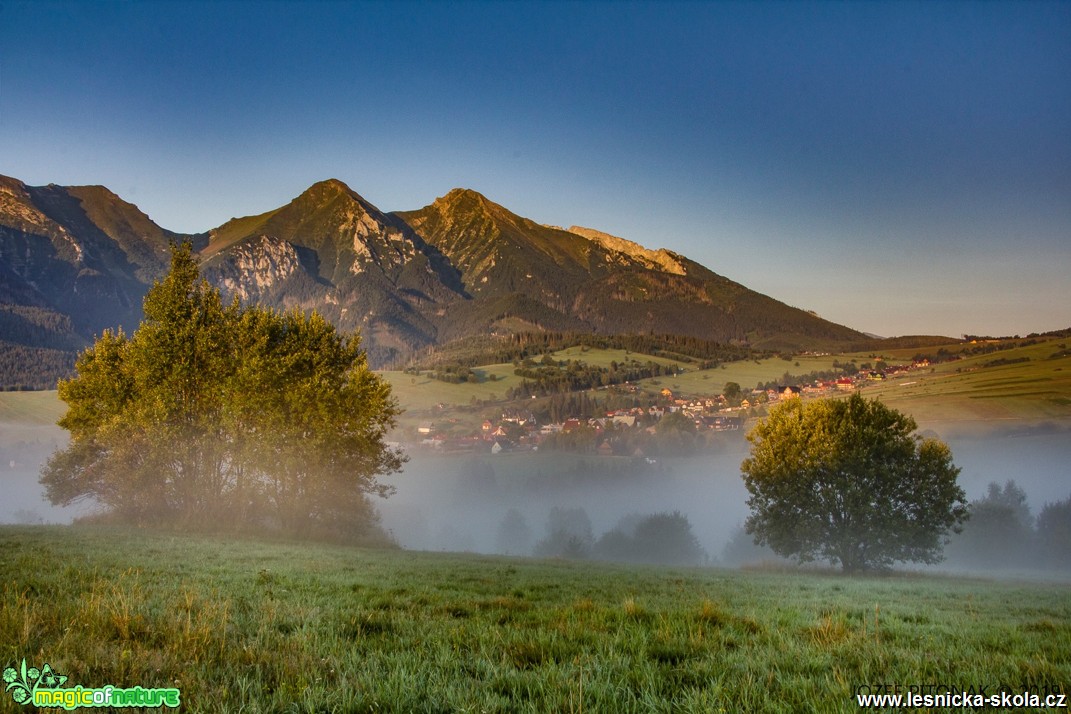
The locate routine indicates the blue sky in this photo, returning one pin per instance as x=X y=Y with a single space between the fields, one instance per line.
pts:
x=901 y=168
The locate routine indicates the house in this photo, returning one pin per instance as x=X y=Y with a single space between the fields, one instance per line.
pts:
x=425 y=428
x=790 y=392
x=487 y=425
x=605 y=449
x=722 y=423
x=845 y=384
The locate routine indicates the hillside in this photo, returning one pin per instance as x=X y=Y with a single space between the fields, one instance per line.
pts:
x=525 y=273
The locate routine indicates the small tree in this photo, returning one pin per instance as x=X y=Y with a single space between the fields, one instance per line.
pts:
x=569 y=534
x=848 y=481
x=514 y=537
x=667 y=538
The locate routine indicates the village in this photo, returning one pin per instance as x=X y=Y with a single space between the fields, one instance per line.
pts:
x=639 y=430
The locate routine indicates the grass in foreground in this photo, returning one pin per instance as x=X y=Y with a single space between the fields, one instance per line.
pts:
x=253 y=626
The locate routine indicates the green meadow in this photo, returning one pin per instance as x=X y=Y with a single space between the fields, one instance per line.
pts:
x=257 y=626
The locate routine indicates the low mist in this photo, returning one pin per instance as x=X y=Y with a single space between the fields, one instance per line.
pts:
x=460 y=502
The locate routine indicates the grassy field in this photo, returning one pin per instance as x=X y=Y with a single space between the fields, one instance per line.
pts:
x=30 y=408
x=746 y=373
x=272 y=627
x=1023 y=383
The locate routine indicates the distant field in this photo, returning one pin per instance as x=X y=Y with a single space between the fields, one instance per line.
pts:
x=746 y=373
x=30 y=408
x=252 y=626
x=423 y=393
x=980 y=389
x=420 y=394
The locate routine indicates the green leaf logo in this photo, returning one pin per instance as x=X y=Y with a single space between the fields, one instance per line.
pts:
x=23 y=682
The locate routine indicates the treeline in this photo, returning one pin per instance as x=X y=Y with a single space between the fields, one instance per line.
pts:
x=664 y=538
x=575 y=405
x=452 y=374
x=525 y=345
x=25 y=368
x=38 y=327
x=552 y=377
x=1003 y=533
x=840 y=369
x=901 y=343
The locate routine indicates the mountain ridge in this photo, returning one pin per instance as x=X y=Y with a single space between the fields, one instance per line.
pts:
x=461 y=266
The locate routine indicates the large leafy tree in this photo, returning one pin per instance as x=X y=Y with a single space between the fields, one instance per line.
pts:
x=213 y=414
x=849 y=481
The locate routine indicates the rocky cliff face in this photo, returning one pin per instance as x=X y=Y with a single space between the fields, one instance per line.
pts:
x=662 y=259
x=256 y=267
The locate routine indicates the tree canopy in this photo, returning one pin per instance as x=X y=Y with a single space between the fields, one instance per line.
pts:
x=848 y=481
x=226 y=416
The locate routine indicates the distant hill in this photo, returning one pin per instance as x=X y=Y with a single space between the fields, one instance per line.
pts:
x=77 y=260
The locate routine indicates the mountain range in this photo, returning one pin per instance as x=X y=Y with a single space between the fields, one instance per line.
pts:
x=75 y=260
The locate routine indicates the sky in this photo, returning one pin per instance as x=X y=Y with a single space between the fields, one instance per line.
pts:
x=897 y=167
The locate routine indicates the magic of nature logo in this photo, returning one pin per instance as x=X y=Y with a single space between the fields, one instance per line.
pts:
x=44 y=688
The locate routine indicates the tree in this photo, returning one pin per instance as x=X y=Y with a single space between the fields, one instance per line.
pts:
x=1054 y=533
x=239 y=415
x=569 y=534
x=514 y=537
x=1000 y=531
x=848 y=481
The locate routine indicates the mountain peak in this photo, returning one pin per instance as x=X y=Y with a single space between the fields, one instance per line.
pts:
x=333 y=184
x=458 y=193
x=328 y=189
x=459 y=199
